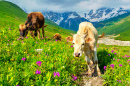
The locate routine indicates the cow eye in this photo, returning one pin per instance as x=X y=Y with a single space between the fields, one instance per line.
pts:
x=83 y=44
x=72 y=43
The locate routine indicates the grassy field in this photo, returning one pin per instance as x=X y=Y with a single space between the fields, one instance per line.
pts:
x=22 y=65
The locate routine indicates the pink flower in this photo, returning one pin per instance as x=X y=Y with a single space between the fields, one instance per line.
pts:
x=23 y=59
x=113 y=58
x=118 y=60
x=112 y=65
x=56 y=40
x=71 y=45
x=39 y=63
x=74 y=77
x=7 y=44
x=105 y=67
x=26 y=37
x=8 y=40
x=56 y=73
x=36 y=42
x=38 y=72
x=120 y=65
x=112 y=51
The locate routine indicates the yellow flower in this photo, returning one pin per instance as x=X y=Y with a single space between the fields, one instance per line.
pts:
x=81 y=66
x=121 y=74
x=55 y=80
x=5 y=63
x=31 y=85
x=9 y=68
x=116 y=76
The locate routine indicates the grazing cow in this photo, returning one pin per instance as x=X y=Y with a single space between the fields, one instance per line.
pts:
x=57 y=36
x=35 y=21
x=85 y=42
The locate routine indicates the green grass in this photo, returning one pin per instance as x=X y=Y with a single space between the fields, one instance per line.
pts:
x=57 y=56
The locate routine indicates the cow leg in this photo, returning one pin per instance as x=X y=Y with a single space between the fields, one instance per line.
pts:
x=31 y=32
x=96 y=61
x=35 y=33
x=43 y=31
x=38 y=33
x=88 y=62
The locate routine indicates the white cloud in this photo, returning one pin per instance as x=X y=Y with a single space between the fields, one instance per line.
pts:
x=79 y=6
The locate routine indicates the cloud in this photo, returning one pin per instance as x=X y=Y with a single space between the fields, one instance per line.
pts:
x=79 y=6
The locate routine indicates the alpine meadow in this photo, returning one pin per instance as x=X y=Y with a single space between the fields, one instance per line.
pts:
x=50 y=62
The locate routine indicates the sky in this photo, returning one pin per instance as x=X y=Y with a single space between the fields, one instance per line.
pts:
x=79 y=6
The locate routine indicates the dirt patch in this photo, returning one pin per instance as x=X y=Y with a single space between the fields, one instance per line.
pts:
x=94 y=80
x=109 y=40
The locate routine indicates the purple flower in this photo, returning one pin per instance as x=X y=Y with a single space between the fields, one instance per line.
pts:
x=112 y=51
x=26 y=37
x=39 y=63
x=120 y=65
x=119 y=81
x=17 y=85
x=23 y=59
x=74 y=77
x=71 y=45
x=108 y=54
x=56 y=40
x=56 y=73
x=105 y=67
x=36 y=42
x=38 y=72
x=112 y=65
x=7 y=44
x=129 y=63
x=115 y=53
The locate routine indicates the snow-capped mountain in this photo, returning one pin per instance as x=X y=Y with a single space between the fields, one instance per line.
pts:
x=71 y=20
x=68 y=20
x=103 y=14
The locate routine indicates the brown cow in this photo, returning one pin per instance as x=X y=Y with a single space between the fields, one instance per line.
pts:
x=35 y=21
x=57 y=36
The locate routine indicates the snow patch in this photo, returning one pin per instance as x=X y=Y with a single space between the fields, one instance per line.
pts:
x=58 y=21
x=72 y=16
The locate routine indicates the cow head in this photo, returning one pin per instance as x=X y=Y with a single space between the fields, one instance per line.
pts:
x=23 y=29
x=78 y=42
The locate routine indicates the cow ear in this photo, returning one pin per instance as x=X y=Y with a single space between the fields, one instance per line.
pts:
x=20 y=26
x=70 y=39
x=88 y=40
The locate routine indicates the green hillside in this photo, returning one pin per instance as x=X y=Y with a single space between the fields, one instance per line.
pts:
x=118 y=25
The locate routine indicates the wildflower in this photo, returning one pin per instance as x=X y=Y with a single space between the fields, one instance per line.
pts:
x=22 y=41
x=74 y=77
x=38 y=72
x=113 y=58
x=17 y=85
x=56 y=73
x=71 y=45
x=118 y=60
x=108 y=54
x=129 y=63
x=128 y=60
x=97 y=45
x=105 y=67
x=23 y=59
x=112 y=65
x=8 y=40
x=39 y=63
x=7 y=44
x=41 y=38
x=119 y=81
x=120 y=65
x=115 y=53
x=112 y=51
x=36 y=42
x=56 y=40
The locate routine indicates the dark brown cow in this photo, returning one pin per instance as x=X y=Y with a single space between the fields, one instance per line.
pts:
x=57 y=36
x=35 y=21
